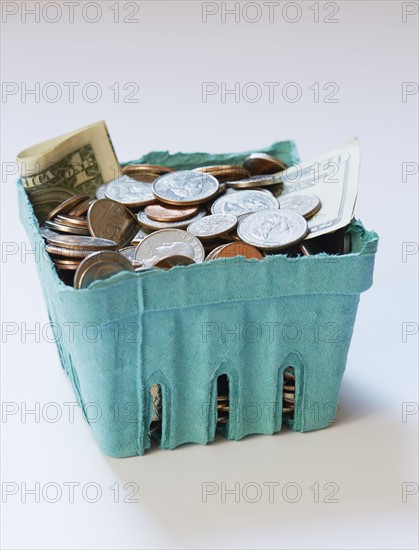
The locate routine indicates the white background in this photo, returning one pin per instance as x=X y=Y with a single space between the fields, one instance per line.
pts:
x=369 y=452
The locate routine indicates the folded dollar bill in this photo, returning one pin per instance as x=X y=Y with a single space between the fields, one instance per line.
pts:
x=333 y=177
x=77 y=162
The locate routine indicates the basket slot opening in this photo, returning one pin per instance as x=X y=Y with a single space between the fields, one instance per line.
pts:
x=155 y=429
x=288 y=394
x=223 y=405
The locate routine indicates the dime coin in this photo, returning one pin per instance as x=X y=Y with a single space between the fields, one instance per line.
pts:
x=68 y=252
x=185 y=187
x=166 y=213
x=213 y=226
x=172 y=261
x=169 y=242
x=101 y=191
x=108 y=219
x=151 y=224
x=100 y=265
x=261 y=163
x=256 y=181
x=305 y=205
x=273 y=229
x=65 y=228
x=244 y=201
x=129 y=191
x=238 y=249
x=80 y=243
x=66 y=206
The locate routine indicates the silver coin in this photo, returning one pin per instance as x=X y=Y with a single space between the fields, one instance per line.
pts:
x=256 y=181
x=100 y=191
x=62 y=228
x=272 y=229
x=169 y=242
x=185 y=187
x=153 y=224
x=80 y=242
x=213 y=226
x=129 y=253
x=129 y=191
x=247 y=200
x=140 y=236
x=305 y=205
x=48 y=233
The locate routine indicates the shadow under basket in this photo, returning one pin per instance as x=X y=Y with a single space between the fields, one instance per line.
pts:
x=178 y=355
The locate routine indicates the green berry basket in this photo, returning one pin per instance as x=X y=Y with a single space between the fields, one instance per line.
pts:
x=235 y=324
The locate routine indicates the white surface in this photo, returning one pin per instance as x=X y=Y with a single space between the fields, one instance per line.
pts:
x=369 y=452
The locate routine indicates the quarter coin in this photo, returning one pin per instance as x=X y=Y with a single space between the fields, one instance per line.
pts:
x=305 y=205
x=244 y=201
x=169 y=242
x=213 y=226
x=129 y=191
x=185 y=187
x=273 y=229
x=101 y=191
x=111 y=220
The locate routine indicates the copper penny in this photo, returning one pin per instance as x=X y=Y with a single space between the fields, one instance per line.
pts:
x=259 y=164
x=111 y=220
x=172 y=261
x=67 y=252
x=66 y=206
x=238 y=248
x=71 y=220
x=82 y=208
x=70 y=265
x=156 y=169
x=166 y=213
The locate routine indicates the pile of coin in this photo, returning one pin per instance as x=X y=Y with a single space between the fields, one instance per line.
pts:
x=155 y=217
x=223 y=401
x=288 y=400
